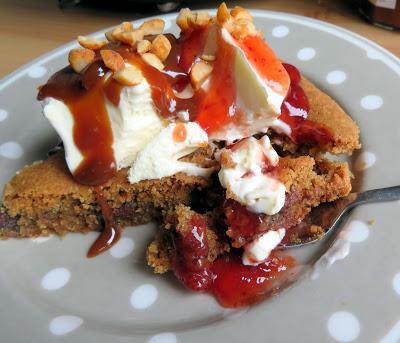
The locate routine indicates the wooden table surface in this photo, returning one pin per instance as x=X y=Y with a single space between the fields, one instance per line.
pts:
x=29 y=28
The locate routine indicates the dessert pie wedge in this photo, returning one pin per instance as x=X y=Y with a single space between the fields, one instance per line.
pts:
x=208 y=133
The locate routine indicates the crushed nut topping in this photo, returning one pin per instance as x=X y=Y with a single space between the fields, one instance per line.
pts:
x=130 y=37
x=223 y=14
x=182 y=19
x=238 y=21
x=153 y=60
x=199 y=73
x=117 y=31
x=112 y=59
x=128 y=76
x=126 y=26
x=114 y=33
x=91 y=43
x=243 y=28
x=199 y=19
x=152 y=27
x=80 y=58
x=240 y=13
x=192 y=20
x=143 y=46
x=161 y=47
x=109 y=36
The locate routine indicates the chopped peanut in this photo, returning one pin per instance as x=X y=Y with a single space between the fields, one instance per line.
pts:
x=182 y=19
x=143 y=46
x=109 y=36
x=240 y=13
x=242 y=28
x=126 y=26
x=198 y=19
x=130 y=37
x=152 y=27
x=223 y=13
x=161 y=47
x=208 y=58
x=199 y=73
x=116 y=32
x=91 y=43
x=153 y=60
x=112 y=59
x=128 y=76
x=79 y=59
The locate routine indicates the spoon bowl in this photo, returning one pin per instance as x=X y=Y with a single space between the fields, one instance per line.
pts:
x=329 y=216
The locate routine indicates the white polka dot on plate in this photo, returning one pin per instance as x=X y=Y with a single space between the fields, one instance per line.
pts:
x=56 y=279
x=64 y=324
x=373 y=54
x=336 y=77
x=123 y=248
x=306 y=54
x=3 y=114
x=36 y=72
x=343 y=326
x=364 y=161
x=280 y=31
x=396 y=283
x=357 y=231
x=371 y=102
x=144 y=296
x=11 y=150
x=166 y=337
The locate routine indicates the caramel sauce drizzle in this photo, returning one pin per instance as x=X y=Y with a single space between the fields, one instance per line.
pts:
x=111 y=232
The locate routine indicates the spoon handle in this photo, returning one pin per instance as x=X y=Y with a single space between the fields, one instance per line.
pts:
x=377 y=195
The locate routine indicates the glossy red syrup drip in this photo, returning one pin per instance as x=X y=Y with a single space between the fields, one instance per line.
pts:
x=232 y=283
x=92 y=128
x=218 y=107
x=243 y=223
x=237 y=285
x=191 y=44
x=191 y=265
x=294 y=112
x=111 y=232
x=266 y=63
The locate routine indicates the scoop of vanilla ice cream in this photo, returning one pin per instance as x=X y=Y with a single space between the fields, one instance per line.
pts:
x=258 y=102
x=244 y=179
x=61 y=118
x=160 y=157
x=134 y=123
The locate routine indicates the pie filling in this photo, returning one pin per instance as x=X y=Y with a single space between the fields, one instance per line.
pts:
x=146 y=101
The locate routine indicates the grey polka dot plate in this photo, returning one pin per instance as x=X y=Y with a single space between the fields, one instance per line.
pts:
x=50 y=292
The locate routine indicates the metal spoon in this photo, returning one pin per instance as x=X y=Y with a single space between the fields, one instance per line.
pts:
x=330 y=215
